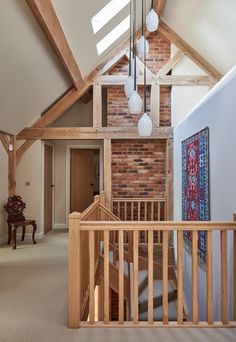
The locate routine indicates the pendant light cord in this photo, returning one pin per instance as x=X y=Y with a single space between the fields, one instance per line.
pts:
x=142 y=18
x=152 y=4
x=134 y=42
x=130 y=36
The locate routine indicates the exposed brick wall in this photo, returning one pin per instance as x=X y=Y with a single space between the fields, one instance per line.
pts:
x=138 y=168
x=117 y=103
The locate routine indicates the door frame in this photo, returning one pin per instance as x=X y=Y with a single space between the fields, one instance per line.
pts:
x=68 y=154
x=43 y=182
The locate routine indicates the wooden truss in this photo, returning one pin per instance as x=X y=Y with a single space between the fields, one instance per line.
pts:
x=47 y=18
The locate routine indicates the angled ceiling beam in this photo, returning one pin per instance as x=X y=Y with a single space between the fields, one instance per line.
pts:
x=73 y=95
x=5 y=139
x=171 y=63
x=173 y=37
x=46 y=16
x=159 y=6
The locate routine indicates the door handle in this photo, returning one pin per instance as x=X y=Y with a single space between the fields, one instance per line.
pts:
x=91 y=184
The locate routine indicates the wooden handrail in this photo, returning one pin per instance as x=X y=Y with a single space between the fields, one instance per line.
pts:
x=157 y=225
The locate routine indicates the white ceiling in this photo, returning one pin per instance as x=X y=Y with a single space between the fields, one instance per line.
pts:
x=209 y=26
x=75 y=17
x=32 y=78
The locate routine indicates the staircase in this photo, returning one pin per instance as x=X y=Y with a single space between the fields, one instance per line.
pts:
x=135 y=259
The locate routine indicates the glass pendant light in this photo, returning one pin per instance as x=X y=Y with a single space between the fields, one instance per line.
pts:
x=129 y=83
x=135 y=101
x=145 y=123
x=142 y=41
x=152 y=20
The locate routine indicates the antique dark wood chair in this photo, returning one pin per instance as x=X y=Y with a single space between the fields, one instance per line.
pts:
x=15 y=208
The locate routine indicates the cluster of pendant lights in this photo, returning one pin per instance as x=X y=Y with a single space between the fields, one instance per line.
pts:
x=140 y=49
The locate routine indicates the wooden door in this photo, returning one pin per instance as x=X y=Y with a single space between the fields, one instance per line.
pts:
x=48 y=187
x=81 y=179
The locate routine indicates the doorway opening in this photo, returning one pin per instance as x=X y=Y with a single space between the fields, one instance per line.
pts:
x=84 y=177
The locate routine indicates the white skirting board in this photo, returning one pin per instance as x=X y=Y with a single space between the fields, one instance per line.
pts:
x=60 y=226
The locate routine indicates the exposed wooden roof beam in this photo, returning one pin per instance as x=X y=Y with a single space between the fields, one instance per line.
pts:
x=159 y=6
x=172 y=36
x=46 y=16
x=91 y=133
x=5 y=139
x=118 y=80
x=171 y=63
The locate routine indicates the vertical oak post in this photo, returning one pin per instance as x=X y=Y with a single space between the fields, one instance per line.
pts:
x=155 y=104
x=107 y=171
x=169 y=179
x=180 y=277
x=91 y=276
x=209 y=296
x=121 y=276
x=74 y=271
x=165 y=248
x=194 y=277
x=135 y=290
x=12 y=167
x=97 y=105
x=224 y=274
x=150 y=277
x=106 y=277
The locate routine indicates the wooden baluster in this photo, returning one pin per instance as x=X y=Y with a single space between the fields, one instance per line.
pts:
x=106 y=277
x=150 y=277
x=132 y=211
x=125 y=211
x=139 y=211
x=152 y=211
x=180 y=277
x=194 y=277
x=74 y=271
x=224 y=309
x=121 y=276
x=135 y=290
x=209 y=297
x=145 y=219
x=165 y=277
x=91 y=276
x=118 y=209
x=159 y=219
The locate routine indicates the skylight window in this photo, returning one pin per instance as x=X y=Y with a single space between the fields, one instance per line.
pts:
x=107 y=13
x=112 y=36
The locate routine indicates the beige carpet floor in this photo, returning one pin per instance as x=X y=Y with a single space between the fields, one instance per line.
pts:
x=33 y=301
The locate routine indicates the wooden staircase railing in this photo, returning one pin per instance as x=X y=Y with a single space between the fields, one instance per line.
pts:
x=97 y=224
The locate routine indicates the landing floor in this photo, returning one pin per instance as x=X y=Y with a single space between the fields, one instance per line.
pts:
x=33 y=301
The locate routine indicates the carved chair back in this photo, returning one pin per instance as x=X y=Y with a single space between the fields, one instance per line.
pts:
x=15 y=208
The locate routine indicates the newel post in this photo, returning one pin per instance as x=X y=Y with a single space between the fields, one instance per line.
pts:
x=74 y=271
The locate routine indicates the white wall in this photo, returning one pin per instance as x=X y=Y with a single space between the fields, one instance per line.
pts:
x=208 y=26
x=184 y=98
x=3 y=192
x=29 y=171
x=217 y=111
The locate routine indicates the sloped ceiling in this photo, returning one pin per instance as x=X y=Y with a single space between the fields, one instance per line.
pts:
x=208 y=26
x=31 y=78
x=75 y=17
